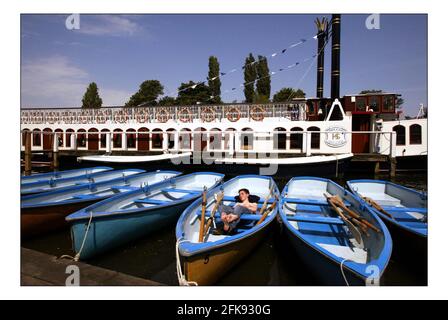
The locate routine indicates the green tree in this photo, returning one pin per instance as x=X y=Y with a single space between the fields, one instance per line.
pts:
x=263 y=78
x=287 y=94
x=214 y=82
x=148 y=93
x=398 y=102
x=190 y=93
x=250 y=75
x=91 y=97
x=167 y=101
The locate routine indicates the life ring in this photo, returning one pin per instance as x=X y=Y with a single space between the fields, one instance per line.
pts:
x=100 y=117
x=208 y=114
x=233 y=114
x=257 y=113
x=142 y=116
x=83 y=117
x=184 y=115
x=162 y=115
x=120 y=116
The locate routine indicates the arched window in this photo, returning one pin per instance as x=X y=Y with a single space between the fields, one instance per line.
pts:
x=37 y=140
x=171 y=138
x=24 y=131
x=185 y=139
x=68 y=137
x=415 y=134
x=157 y=139
x=215 y=139
x=143 y=139
x=315 y=138
x=229 y=139
x=279 y=139
x=60 y=136
x=401 y=135
x=81 y=138
x=93 y=138
x=131 y=139
x=103 y=138
x=247 y=139
x=296 y=139
x=200 y=139
x=118 y=138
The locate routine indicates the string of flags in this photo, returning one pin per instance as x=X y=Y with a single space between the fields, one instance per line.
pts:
x=271 y=56
x=313 y=57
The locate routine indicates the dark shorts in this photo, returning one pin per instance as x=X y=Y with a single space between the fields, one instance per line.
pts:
x=238 y=211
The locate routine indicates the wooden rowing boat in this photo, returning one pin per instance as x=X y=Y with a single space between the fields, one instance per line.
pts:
x=45 y=212
x=205 y=262
x=51 y=184
x=403 y=210
x=336 y=247
x=62 y=174
x=135 y=214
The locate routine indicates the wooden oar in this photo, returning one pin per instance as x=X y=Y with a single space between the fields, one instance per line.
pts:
x=265 y=203
x=266 y=213
x=212 y=215
x=204 y=205
x=375 y=204
x=354 y=214
x=355 y=232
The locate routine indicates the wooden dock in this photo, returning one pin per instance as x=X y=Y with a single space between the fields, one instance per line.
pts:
x=40 y=269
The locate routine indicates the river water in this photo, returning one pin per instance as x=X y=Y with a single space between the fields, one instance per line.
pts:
x=273 y=262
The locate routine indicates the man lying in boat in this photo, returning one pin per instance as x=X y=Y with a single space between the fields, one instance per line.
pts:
x=246 y=203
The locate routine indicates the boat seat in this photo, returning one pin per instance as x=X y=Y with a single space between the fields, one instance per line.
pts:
x=127 y=188
x=180 y=190
x=318 y=219
x=383 y=199
x=232 y=199
x=311 y=202
x=250 y=217
x=354 y=254
x=151 y=201
x=391 y=209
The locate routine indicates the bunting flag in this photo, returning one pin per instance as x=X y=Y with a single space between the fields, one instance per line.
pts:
x=271 y=56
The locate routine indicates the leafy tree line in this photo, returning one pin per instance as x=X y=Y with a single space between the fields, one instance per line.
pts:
x=257 y=88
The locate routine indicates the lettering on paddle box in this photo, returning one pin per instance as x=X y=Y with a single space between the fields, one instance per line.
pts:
x=335 y=137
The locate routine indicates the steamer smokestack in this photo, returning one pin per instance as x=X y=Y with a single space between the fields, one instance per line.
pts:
x=322 y=27
x=335 y=55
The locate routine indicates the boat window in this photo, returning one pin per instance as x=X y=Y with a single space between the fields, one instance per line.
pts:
x=103 y=138
x=117 y=138
x=24 y=131
x=415 y=134
x=131 y=138
x=315 y=138
x=215 y=139
x=311 y=109
x=401 y=135
x=60 y=137
x=81 y=138
x=171 y=138
x=247 y=139
x=185 y=139
x=157 y=139
x=279 y=139
x=361 y=103
x=229 y=139
x=68 y=137
x=37 y=141
x=388 y=103
x=374 y=104
x=296 y=139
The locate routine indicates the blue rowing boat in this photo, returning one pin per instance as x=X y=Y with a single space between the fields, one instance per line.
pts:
x=204 y=263
x=46 y=185
x=127 y=217
x=404 y=212
x=62 y=174
x=337 y=249
x=46 y=211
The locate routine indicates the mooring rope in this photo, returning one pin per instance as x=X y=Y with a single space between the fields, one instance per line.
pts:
x=78 y=255
x=180 y=276
x=342 y=271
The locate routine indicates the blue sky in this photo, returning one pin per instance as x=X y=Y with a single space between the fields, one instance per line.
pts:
x=118 y=52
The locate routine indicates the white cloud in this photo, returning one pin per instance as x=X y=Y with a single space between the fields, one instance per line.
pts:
x=56 y=82
x=108 y=25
